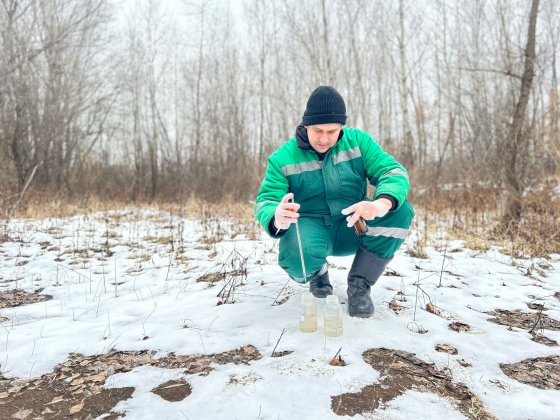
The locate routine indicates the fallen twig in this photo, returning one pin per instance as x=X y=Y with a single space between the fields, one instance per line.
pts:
x=278 y=342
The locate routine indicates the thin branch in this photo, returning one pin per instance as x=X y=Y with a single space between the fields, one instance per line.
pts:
x=283 y=287
x=25 y=187
x=478 y=70
x=278 y=342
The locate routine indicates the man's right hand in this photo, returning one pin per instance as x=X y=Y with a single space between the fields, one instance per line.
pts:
x=286 y=212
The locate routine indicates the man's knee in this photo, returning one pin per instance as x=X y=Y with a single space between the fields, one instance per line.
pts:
x=403 y=215
x=386 y=235
x=314 y=246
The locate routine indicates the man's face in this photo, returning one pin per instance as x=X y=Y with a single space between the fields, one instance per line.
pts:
x=323 y=136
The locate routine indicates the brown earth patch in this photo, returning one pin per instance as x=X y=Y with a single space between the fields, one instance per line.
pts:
x=75 y=388
x=18 y=297
x=541 y=372
x=401 y=371
x=557 y=295
x=524 y=320
x=173 y=391
x=542 y=339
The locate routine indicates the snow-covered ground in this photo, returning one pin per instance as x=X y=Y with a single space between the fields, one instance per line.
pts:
x=127 y=281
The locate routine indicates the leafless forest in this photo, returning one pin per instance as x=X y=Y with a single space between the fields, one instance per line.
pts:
x=154 y=100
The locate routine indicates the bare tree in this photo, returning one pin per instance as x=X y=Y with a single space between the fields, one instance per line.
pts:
x=408 y=156
x=54 y=85
x=517 y=138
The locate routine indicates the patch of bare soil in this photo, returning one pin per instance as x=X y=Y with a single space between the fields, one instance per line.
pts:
x=542 y=339
x=401 y=371
x=542 y=372
x=75 y=388
x=524 y=320
x=18 y=297
x=557 y=295
x=176 y=390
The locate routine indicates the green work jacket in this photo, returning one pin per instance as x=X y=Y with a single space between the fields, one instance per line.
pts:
x=323 y=187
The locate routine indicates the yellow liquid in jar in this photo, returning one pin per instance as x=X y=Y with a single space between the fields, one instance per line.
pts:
x=333 y=326
x=308 y=324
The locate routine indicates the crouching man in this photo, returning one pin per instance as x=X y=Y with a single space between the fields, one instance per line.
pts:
x=318 y=179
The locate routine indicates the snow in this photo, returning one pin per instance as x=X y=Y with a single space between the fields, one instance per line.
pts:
x=156 y=304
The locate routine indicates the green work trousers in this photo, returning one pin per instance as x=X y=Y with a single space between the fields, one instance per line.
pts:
x=325 y=236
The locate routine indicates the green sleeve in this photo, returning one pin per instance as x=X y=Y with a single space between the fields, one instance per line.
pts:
x=274 y=186
x=383 y=171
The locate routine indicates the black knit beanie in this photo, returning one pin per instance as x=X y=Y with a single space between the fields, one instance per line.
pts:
x=325 y=106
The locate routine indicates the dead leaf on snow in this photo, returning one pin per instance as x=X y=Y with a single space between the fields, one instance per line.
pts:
x=431 y=308
x=337 y=361
x=401 y=297
x=464 y=363
x=281 y=301
x=281 y=353
x=446 y=348
x=392 y=273
x=459 y=327
x=396 y=307
x=212 y=277
x=249 y=349
x=536 y=306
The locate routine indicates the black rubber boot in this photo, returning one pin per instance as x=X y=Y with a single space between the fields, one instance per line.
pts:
x=364 y=273
x=319 y=285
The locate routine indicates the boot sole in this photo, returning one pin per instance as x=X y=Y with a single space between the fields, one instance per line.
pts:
x=322 y=296
x=361 y=315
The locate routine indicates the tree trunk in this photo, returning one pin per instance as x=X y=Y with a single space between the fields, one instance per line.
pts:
x=515 y=136
x=408 y=156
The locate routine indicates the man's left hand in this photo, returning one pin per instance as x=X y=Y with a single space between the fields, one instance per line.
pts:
x=367 y=209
